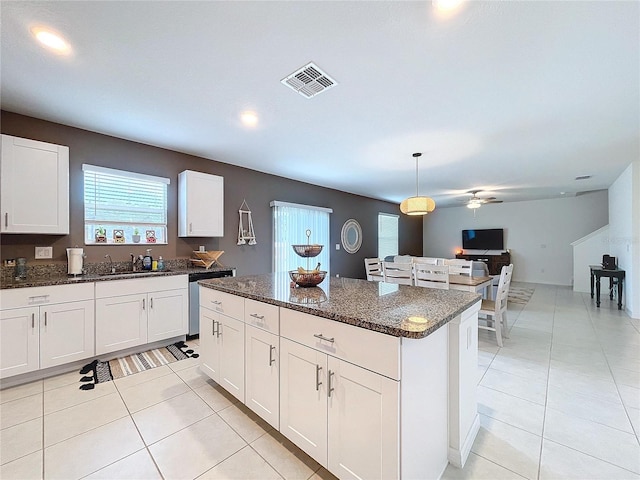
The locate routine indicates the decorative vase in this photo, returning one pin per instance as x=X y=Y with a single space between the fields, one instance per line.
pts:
x=136 y=238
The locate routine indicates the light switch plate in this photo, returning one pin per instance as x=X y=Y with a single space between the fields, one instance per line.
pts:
x=44 y=252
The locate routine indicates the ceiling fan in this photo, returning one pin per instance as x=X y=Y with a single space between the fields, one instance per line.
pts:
x=476 y=202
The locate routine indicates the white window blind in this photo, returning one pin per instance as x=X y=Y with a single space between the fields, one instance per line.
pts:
x=119 y=201
x=290 y=222
x=387 y=235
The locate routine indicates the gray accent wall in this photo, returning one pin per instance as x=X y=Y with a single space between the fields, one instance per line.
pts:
x=240 y=183
x=537 y=233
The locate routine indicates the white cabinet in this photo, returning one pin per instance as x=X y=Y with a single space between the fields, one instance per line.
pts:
x=42 y=327
x=138 y=311
x=262 y=373
x=200 y=205
x=34 y=196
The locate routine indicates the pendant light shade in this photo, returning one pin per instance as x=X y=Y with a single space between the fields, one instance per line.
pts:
x=417 y=205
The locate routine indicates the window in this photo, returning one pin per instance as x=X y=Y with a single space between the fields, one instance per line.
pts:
x=290 y=223
x=123 y=207
x=387 y=235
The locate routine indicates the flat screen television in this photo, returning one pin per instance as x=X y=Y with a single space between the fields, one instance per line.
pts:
x=486 y=239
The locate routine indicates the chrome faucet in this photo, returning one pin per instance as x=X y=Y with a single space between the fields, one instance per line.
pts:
x=112 y=269
x=134 y=262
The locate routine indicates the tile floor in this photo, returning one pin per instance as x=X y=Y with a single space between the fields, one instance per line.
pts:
x=560 y=400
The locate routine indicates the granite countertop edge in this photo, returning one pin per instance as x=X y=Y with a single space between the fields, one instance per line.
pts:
x=358 y=322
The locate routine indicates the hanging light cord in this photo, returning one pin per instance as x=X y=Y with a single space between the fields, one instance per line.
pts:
x=416 y=156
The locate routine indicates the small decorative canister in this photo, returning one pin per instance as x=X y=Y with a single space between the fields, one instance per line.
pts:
x=21 y=268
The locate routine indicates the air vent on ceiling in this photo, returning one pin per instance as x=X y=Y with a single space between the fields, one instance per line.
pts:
x=583 y=177
x=309 y=81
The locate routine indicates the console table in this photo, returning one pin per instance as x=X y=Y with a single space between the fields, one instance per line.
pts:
x=494 y=262
x=597 y=272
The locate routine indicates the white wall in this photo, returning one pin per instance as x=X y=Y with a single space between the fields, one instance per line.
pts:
x=588 y=251
x=538 y=233
x=624 y=233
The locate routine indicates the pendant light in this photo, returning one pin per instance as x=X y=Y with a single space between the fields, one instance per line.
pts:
x=417 y=205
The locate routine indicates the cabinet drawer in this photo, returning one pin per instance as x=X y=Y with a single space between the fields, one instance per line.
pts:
x=29 y=296
x=371 y=350
x=262 y=315
x=229 y=305
x=134 y=286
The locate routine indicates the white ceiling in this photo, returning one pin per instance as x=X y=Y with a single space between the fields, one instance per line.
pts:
x=515 y=98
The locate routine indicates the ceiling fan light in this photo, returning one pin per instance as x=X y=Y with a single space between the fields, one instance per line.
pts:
x=417 y=206
x=473 y=204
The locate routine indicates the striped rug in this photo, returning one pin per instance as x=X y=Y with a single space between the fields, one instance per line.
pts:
x=100 y=372
x=520 y=295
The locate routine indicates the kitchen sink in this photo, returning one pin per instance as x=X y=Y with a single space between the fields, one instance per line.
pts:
x=142 y=272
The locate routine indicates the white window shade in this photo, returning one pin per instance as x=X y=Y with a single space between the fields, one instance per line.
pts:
x=133 y=203
x=387 y=235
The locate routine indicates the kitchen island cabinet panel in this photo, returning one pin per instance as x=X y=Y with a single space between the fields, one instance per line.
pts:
x=19 y=341
x=262 y=379
x=121 y=322
x=168 y=314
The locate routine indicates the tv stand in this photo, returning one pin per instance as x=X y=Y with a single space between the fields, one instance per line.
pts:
x=494 y=262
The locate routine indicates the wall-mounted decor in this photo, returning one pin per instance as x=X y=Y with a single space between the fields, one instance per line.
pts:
x=351 y=236
x=246 y=235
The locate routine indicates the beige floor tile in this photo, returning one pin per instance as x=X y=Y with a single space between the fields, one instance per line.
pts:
x=154 y=391
x=28 y=467
x=509 y=447
x=70 y=395
x=21 y=391
x=323 y=474
x=20 y=410
x=196 y=449
x=515 y=411
x=630 y=396
x=69 y=378
x=560 y=462
x=626 y=377
x=20 y=440
x=192 y=376
x=137 y=466
x=519 y=366
x=479 y=468
x=246 y=423
x=241 y=466
x=287 y=459
x=72 y=421
x=215 y=396
x=91 y=451
x=186 y=363
x=175 y=414
x=140 y=378
x=589 y=408
x=634 y=416
x=584 y=384
x=526 y=388
x=600 y=441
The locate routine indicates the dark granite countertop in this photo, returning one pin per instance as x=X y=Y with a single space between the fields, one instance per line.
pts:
x=46 y=280
x=398 y=310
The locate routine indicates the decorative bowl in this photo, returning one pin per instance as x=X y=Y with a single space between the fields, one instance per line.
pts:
x=307 y=279
x=307 y=250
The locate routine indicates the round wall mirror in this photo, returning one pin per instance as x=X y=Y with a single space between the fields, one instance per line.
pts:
x=351 y=236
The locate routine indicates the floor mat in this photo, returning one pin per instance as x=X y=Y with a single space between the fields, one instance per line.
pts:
x=520 y=294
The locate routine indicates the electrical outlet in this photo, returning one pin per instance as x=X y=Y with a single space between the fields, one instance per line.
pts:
x=44 y=252
x=337 y=246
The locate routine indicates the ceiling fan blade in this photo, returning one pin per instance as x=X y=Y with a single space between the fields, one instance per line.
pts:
x=494 y=201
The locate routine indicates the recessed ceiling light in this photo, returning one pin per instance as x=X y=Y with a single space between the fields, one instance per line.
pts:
x=447 y=6
x=583 y=177
x=562 y=193
x=249 y=119
x=51 y=40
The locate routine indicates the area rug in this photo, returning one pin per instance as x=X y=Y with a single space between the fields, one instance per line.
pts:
x=100 y=372
x=520 y=294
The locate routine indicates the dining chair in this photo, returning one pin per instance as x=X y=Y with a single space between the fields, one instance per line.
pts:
x=400 y=273
x=431 y=276
x=373 y=269
x=459 y=267
x=427 y=260
x=495 y=311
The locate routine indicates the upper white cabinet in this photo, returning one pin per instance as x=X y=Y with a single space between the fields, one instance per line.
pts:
x=35 y=186
x=200 y=205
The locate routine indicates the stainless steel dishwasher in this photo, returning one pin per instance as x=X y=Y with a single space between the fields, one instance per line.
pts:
x=194 y=295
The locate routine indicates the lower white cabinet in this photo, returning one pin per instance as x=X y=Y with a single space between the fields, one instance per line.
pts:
x=222 y=350
x=344 y=416
x=42 y=327
x=137 y=311
x=262 y=365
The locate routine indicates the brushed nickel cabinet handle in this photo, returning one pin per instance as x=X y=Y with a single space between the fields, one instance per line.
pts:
x=45 y=319
x=151 y=302
x=322 y=337
x=219 y=332
x=190 y=227
x=330 y=389
x=33 y=320
x=144 y=303
x=256 y=316
x=318 y=382
x=6 y=219
x=271 y=357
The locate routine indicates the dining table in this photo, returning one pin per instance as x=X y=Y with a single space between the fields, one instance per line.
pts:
x=471 y=284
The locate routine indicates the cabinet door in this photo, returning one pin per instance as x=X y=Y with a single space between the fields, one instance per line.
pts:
x=19 y=341
x=261 y=374
x=231 y=334
x=209 y=344
x=27 y=167
x=66 y=333
x=363 y=423
x=200 y=205
x=168 y=314
x=121 y=322
x=303 y=398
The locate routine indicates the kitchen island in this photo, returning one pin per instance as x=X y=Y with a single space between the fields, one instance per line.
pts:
x=372 y=380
